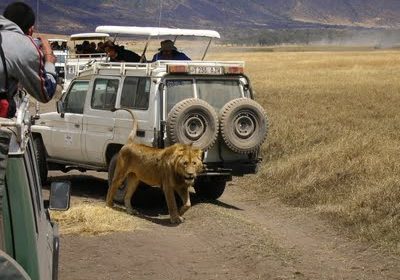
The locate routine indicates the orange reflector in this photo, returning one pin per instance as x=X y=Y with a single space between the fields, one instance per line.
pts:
x=177 y=69
x=234 y=70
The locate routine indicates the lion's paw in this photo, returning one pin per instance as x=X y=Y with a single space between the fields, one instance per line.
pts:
x=177 y=220
x=109 y=204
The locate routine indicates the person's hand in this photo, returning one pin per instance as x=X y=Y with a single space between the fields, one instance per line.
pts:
x=47 y=50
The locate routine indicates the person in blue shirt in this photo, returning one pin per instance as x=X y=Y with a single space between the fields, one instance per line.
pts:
x=169 y=52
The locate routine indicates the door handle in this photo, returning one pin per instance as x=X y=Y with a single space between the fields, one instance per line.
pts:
x=77 y=125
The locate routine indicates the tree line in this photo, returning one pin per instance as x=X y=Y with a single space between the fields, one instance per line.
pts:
x=332 y=36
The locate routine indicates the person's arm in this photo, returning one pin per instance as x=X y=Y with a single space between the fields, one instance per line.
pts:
x=155 y=58
x=50 y=74
x=35 y=69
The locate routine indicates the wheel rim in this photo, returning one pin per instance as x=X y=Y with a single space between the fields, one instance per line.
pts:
x=195 y=127
x=244 y=125
x=193 y=121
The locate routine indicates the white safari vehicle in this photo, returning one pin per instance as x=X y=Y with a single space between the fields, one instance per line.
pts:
x=75 y=62
x=61 y=55
x=207 y=103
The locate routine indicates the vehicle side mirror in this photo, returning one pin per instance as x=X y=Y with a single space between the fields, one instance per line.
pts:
x=60 y=195
x=60 y=107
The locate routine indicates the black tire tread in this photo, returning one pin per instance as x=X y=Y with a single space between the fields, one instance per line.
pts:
x=208 y=189
x=224 y=124
x=180 y=107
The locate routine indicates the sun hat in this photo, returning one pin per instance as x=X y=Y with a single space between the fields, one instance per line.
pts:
x=167 y=45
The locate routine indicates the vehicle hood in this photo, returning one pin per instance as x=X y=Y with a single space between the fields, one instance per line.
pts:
x=46 y=119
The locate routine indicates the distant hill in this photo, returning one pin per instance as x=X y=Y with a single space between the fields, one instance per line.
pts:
x=70 y=16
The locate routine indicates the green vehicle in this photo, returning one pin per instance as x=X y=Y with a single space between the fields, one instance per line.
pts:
x=29 y=241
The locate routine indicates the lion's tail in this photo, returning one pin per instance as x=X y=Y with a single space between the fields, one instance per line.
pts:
x=132 y=135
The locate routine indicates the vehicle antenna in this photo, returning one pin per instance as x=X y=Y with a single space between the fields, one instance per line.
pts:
x=37 y=16
x=159 y=15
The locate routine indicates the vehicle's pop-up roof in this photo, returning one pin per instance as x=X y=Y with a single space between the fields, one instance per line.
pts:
x=89 y=36
x=159 y=31
x=57 y=40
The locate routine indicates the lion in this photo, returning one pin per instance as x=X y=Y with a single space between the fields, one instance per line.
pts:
x=174 y=169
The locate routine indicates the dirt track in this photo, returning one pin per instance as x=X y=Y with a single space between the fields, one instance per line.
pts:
x=238 y=237
x=235 y=238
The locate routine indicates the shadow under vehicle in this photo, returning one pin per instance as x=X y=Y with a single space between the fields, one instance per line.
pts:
x=29 y=240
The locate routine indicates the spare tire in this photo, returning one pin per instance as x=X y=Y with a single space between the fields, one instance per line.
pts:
x=193 y=121
x=243 y=125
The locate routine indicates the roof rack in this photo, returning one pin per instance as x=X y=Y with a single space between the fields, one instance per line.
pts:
x=96 y=67
x=121 y=68
x=159 y=63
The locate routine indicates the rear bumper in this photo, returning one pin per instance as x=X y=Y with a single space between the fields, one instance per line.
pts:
x=232 y=168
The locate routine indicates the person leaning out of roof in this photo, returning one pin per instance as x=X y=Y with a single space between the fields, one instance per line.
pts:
x=23 y=62
x=119 y=54
x=169 y=52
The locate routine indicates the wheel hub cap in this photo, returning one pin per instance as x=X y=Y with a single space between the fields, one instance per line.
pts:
x=194 y=127
x=244 y=125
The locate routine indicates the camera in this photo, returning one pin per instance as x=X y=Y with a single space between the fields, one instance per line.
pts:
x=38 y=42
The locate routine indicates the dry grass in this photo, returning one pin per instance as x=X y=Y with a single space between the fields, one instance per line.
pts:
x=334 y=140
x=95 y=219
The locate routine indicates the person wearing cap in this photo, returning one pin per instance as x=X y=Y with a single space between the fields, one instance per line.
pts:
x=168 y=51
x=23 y=62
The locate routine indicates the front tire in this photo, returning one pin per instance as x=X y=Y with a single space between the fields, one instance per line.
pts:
x=209 y=189
x=40 y=155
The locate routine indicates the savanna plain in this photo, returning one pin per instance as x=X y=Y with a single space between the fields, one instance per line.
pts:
x=325 y=203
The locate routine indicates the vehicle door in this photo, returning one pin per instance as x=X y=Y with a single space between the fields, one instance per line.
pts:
x=99 y=119
x=135 y=95
x=47 y=238
x=28 y=234
x=66 y=136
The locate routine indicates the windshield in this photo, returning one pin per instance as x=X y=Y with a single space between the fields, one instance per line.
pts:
x=177 y=90
x=216 y=92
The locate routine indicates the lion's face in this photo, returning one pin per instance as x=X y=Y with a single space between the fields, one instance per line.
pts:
x=189 y=163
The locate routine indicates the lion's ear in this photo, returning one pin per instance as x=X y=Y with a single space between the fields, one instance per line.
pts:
x=199 y=153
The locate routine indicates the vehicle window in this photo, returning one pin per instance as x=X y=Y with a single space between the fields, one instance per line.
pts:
x=178 y=90
x=75 y=98
x=218 y=92
x=135 y=93
x=104 y=94
x=35 y=174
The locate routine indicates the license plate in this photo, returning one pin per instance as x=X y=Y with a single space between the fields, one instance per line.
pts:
x=206 y=70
